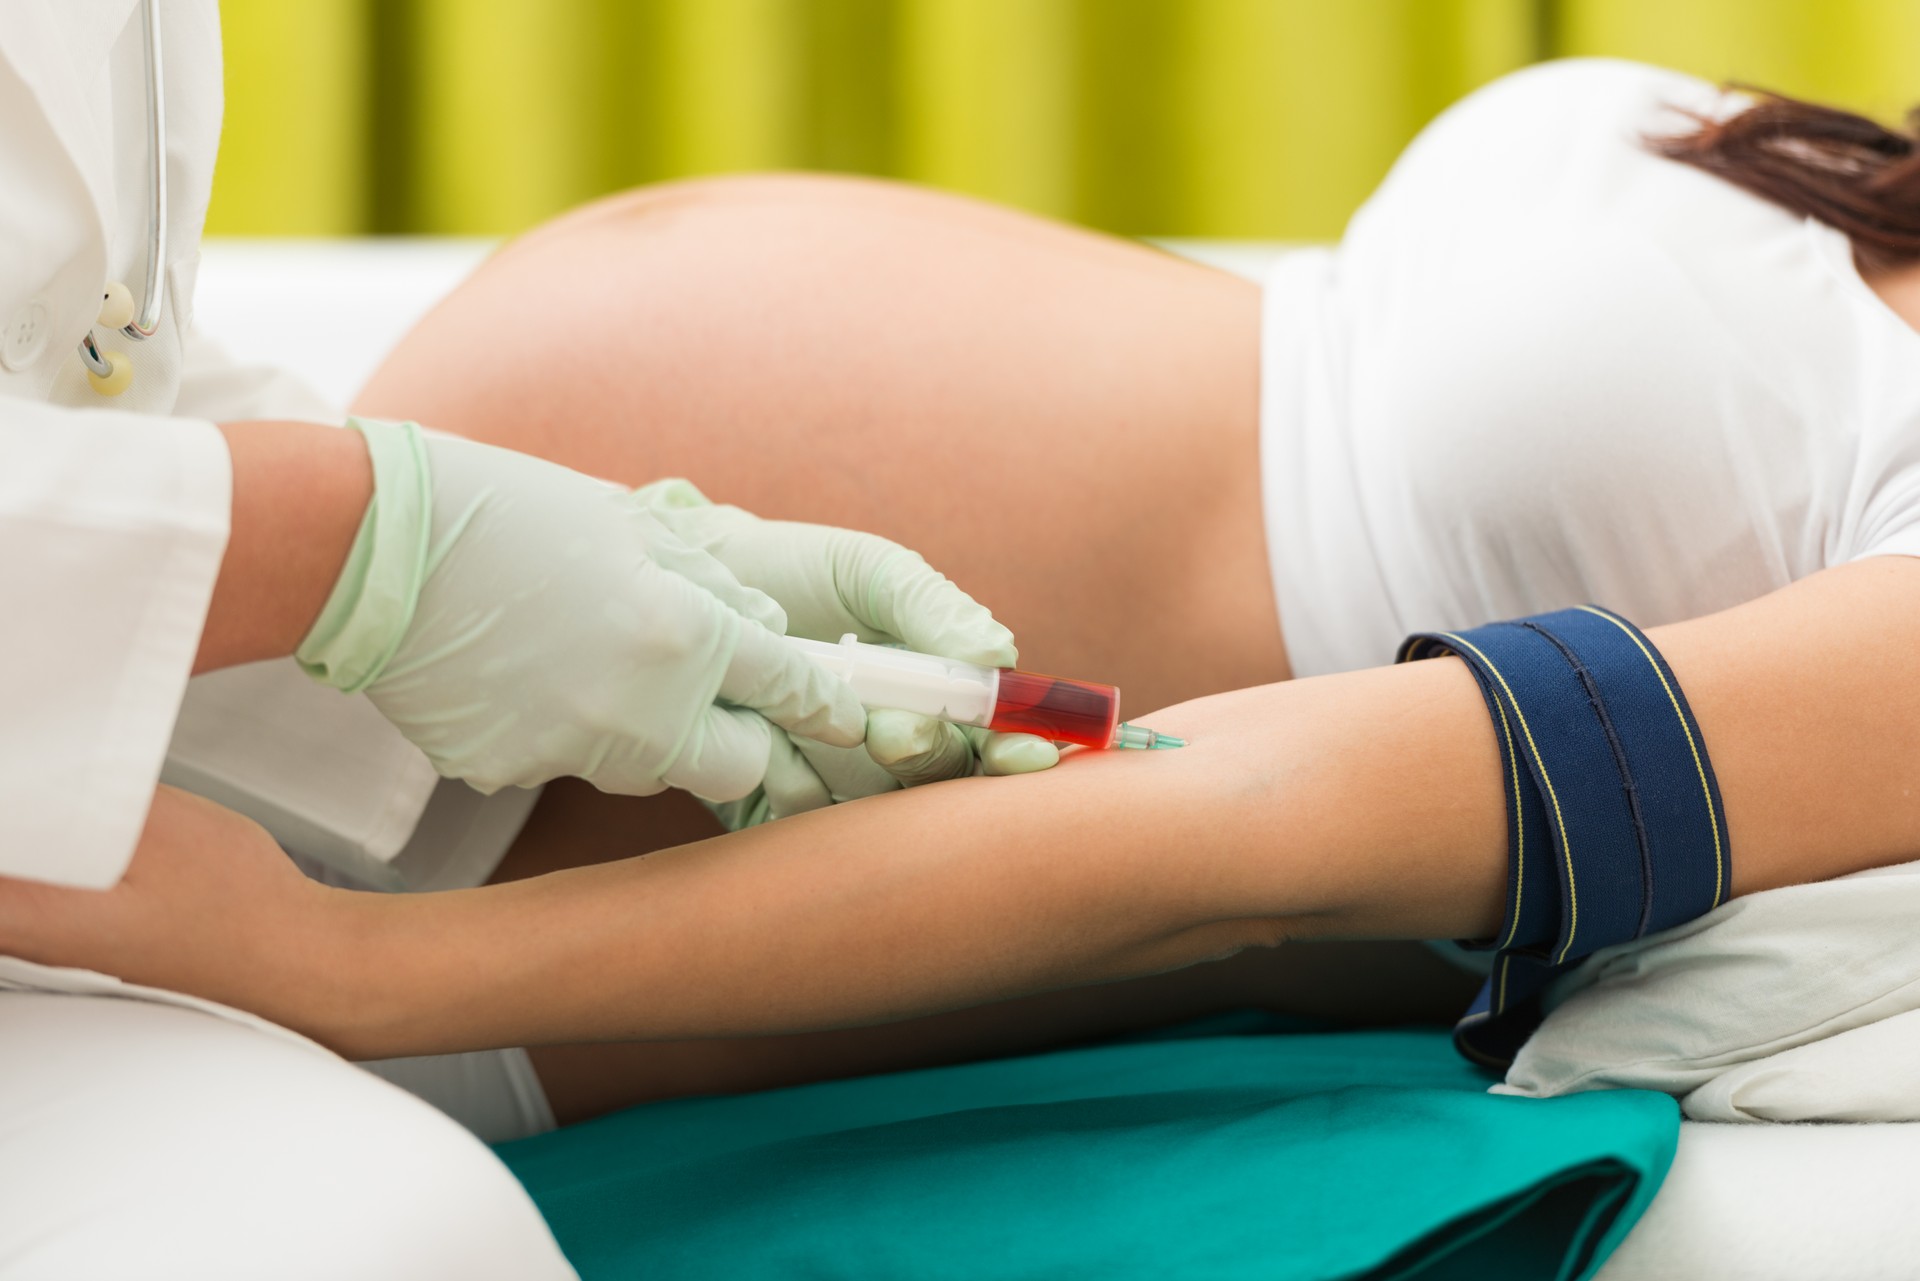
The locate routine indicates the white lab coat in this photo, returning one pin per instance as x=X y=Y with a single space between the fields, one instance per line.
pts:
x=113 y=512
x=136 y=1139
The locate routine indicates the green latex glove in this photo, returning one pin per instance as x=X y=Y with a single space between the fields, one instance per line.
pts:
x=833 y=581
x=519 y=621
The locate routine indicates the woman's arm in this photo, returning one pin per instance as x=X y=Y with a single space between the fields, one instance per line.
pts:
x=1361 y=805
x=1289 y=812
x=1111 y=864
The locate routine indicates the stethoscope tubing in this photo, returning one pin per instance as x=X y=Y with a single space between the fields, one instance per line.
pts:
x=146 y=322
x=90 y=356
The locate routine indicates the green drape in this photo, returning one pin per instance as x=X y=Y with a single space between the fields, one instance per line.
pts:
x=1257 y=118
x=1212 y=1151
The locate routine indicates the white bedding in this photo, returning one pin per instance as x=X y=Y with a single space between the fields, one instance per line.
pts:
x=326 y=309
x=1796 y=1004
x=1743 y=1202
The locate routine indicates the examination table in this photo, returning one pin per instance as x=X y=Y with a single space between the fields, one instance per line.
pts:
x=1740 y=1203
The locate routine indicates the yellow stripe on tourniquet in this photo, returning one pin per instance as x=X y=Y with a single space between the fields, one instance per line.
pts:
x=1519 y=826
x=1566 y=841
x=1713 y=815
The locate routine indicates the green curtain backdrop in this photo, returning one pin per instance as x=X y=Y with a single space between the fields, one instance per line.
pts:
x=1240 y=118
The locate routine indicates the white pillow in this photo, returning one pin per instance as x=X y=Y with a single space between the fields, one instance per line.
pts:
x=1796 y=1004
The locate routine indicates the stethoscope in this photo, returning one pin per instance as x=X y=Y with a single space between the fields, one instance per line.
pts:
x=111 y=373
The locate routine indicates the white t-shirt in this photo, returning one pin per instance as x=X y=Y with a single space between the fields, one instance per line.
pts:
x=1546 y=366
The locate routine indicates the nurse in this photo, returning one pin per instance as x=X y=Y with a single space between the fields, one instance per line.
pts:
x=504 y=621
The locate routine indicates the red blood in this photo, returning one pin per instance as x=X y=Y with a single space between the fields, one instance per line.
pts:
x=1054 y=707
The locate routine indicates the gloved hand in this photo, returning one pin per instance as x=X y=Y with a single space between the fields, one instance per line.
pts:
x=519 y=621
x=830 y=582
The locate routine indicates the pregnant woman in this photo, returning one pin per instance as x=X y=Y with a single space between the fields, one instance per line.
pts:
x=1604 y=334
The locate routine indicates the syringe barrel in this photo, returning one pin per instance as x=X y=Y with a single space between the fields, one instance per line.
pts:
x=1066 y=711
x=1014 y=702
x=963 y=693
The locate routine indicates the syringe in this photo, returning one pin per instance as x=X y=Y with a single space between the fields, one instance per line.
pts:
x=1013 y=702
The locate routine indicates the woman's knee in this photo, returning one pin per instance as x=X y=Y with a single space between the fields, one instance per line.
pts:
x=146 y=1139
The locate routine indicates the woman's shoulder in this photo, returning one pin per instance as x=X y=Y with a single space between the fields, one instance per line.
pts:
x=1539 y=126
x=1591 y=88
x=1553 y=152
x=1535 y=207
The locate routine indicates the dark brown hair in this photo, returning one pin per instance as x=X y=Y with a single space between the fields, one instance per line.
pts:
x=1843 y=169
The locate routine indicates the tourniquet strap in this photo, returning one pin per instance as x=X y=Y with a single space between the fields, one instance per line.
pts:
x=1614 y=824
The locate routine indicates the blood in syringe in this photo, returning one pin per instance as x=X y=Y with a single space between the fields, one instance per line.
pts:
x=1054 y=707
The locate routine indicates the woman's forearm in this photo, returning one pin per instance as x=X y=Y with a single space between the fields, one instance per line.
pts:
x=1368 y=804
x=299 y=491
x=1363 y=805
x=1360 y=804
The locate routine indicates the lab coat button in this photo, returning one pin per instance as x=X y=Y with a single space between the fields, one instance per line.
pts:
x=25 y=337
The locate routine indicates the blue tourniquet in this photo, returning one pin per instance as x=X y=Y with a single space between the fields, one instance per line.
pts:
x=1614 y=823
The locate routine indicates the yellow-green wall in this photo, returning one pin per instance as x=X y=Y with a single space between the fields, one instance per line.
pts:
x=1179 y=117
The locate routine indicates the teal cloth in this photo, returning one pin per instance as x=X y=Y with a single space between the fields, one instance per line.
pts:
x=1359 y=1154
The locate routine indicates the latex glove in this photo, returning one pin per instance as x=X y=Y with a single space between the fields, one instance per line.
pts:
x=902 y=750
x=519 y=621
x=833 y=581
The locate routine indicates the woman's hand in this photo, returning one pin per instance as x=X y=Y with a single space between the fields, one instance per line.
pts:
x=210 y=906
